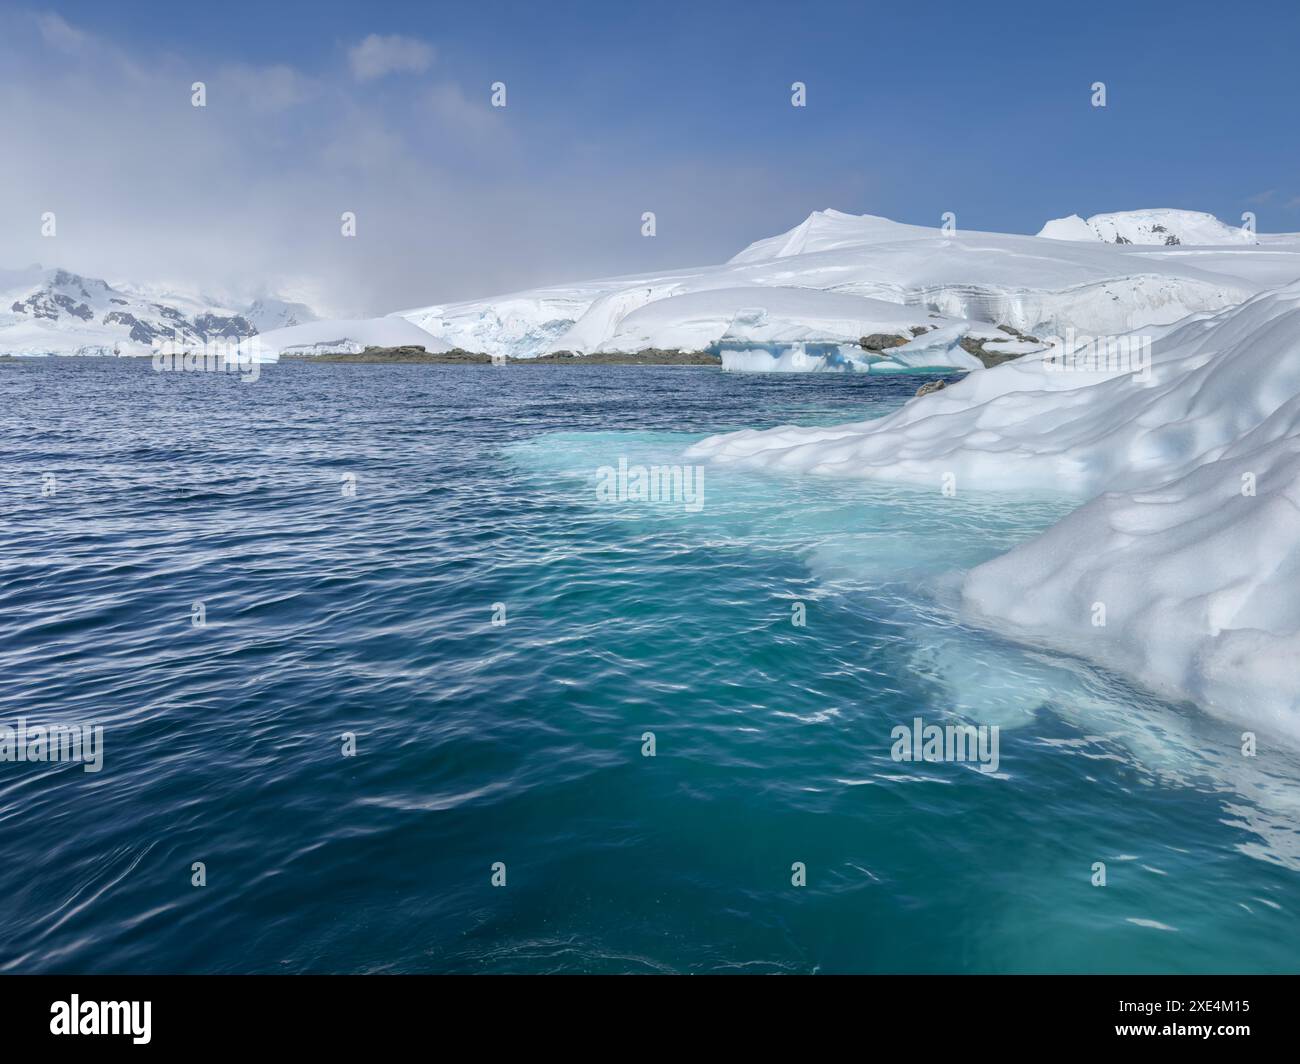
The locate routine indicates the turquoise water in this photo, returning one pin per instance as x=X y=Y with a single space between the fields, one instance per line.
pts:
x=522 y=743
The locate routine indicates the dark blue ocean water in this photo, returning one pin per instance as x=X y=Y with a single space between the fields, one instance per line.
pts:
x=521 y=743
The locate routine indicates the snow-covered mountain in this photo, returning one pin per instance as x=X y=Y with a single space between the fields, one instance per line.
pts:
x=1163 y=227
x=269 y=313
x=1034 y=285
x=53 y=311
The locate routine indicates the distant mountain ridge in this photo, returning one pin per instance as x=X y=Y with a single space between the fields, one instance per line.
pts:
x=55 y=311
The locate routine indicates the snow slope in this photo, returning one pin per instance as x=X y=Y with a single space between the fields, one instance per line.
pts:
x=1033 y=284
x=270 y=313
x=830 y=230
x=527 y=323
x=1190 y=538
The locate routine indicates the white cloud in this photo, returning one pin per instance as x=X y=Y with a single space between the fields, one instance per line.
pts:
x=378 y=56
x=454 y=199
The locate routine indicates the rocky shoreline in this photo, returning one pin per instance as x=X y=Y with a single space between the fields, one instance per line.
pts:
x=457 y=357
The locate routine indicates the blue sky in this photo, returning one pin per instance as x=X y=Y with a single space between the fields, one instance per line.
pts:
x=683 y=109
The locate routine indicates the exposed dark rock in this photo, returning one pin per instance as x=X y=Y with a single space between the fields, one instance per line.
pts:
x=46 y=304
x=232 y=327
x=405 y=353
x=1011 y=330
x=141 y=332
x=881 y=341
x=77 y=310
x=975 y=347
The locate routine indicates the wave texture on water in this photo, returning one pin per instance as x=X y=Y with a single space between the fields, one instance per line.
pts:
x=331 y=614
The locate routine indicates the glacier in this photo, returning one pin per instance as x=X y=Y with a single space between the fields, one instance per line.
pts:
x=1035 y=284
